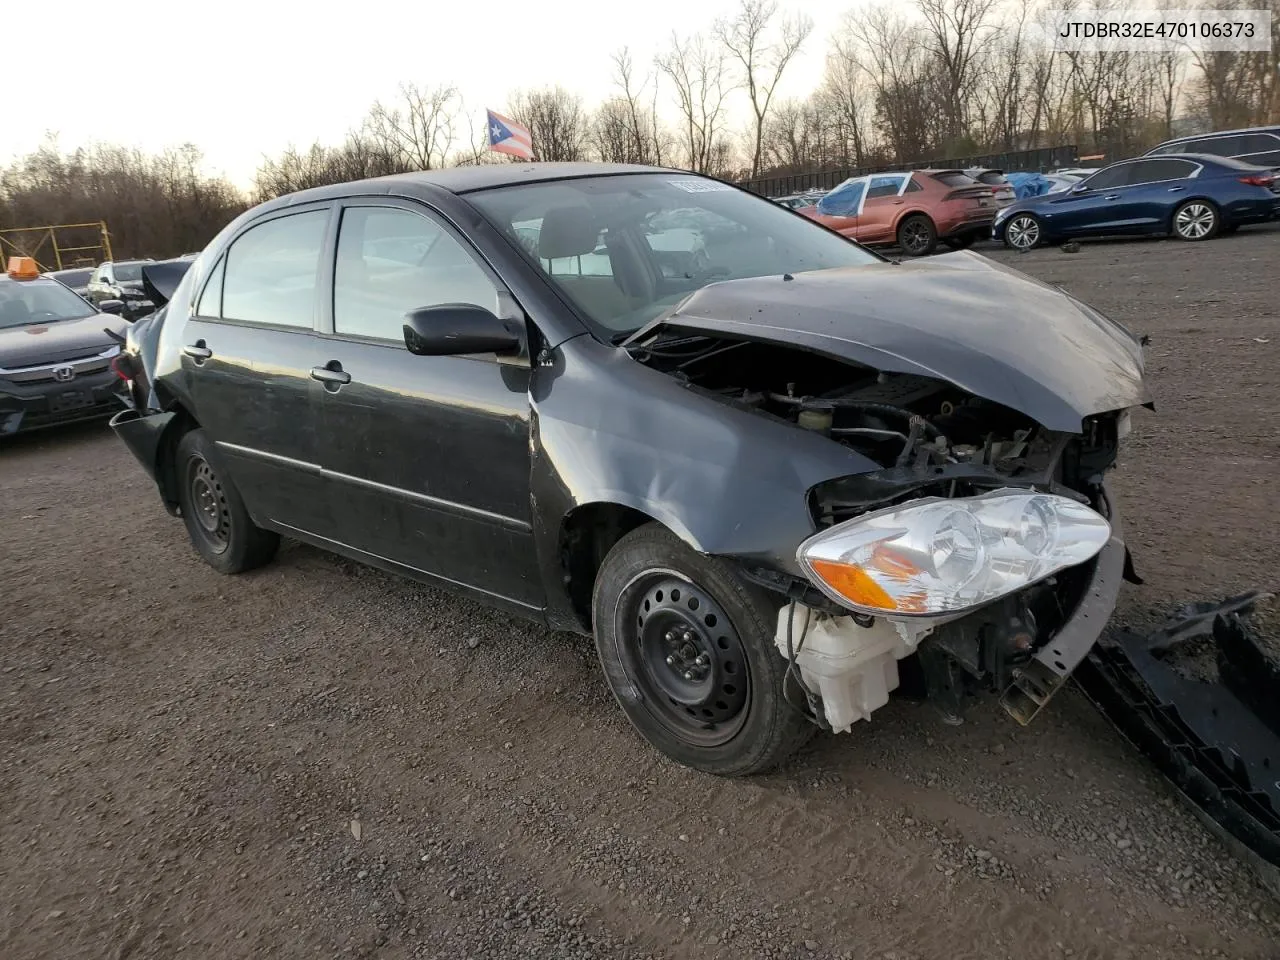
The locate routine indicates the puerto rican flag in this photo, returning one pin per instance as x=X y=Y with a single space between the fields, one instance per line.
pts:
x=507 y=136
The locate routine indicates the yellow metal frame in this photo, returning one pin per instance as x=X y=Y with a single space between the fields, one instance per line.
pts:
x=30 y=241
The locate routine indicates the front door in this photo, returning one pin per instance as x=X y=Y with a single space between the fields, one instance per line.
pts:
x=1094 y=206
x=247 y=351
x=426 y=458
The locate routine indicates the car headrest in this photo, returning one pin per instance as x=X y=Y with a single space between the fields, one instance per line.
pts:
x=568 y=232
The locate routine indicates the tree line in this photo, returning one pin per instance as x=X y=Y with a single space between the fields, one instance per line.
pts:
x=901 y=82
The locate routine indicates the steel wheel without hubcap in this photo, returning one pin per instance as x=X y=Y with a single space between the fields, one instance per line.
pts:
x=213 y=518
x=1023 y=233
x=1194 y=221
x=685 y=655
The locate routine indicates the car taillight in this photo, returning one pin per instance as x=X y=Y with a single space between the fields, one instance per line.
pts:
x=1258 y=180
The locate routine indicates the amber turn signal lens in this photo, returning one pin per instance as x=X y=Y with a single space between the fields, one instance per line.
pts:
x=852 y=584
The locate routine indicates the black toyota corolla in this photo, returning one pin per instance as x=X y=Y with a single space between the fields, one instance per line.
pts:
x=761 y=464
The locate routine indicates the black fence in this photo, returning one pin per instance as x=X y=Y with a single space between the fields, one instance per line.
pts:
x=1038 y=161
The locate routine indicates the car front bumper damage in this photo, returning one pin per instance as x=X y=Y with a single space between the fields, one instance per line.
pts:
x=848 y=664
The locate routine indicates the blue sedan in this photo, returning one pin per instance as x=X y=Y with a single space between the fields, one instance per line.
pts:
x=1191 y=196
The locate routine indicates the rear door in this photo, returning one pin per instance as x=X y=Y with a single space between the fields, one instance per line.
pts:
x=248 y=350
x=426 y=458
x=1155 y=187
x=880 y=208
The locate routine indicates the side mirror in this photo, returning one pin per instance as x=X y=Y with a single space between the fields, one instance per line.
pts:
x=111 y=306
x=1079 y=187
x=453 y=329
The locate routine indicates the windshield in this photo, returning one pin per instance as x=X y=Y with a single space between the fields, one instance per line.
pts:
x=626 y=249
x=24 y=302
x=127 y=272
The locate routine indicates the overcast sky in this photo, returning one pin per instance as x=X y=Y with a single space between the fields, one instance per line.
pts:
x=240 y=78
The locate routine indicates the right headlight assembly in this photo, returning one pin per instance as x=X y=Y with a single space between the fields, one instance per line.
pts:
x=941 y=556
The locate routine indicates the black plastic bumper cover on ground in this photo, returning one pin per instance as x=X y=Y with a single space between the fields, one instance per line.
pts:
x=1205 y=737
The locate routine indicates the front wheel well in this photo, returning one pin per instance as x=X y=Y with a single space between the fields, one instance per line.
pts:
x=587 y=534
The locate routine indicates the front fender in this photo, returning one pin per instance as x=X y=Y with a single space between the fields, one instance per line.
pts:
x=727 y=481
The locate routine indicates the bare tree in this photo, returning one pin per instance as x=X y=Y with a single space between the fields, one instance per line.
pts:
x=556 y=120
x=903 y=78
x=421 y=128
x=641 y=129
x=761 y=61
x=955 y=30
x=847 y=94
x=697 y=71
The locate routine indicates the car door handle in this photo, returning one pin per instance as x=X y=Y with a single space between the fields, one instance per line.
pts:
x=331 y=374
x=197 y=351
x=1112 y=196
x=1176 y=189
x=898 y=202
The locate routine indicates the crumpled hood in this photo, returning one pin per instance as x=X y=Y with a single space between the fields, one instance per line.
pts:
x=959 y=317
x=39 y=343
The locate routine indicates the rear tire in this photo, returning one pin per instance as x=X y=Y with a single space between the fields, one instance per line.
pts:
x=1196 y=220
x=917 y=236
x=687 y=649
x=214 y=514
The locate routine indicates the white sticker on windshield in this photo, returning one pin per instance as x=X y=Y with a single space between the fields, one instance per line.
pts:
x=699 y=186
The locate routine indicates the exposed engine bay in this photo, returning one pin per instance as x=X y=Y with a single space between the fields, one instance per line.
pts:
x=931 y=439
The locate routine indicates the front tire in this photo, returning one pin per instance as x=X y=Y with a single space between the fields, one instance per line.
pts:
x=917 y=236
x=1023 y=232
x=1196 y=220
x=687 y=649
x=214 y=514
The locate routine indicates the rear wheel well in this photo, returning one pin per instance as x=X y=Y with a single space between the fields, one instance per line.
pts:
x=587 y=534
x=166 y=456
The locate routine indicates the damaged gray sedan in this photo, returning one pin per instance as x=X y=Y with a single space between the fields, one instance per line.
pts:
x=773 y=480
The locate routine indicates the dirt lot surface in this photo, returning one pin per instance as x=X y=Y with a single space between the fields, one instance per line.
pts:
x=317 y=760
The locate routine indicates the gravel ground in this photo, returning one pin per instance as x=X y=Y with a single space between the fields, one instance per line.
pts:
x=317 y=760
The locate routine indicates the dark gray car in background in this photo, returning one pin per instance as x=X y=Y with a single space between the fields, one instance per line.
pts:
x=56 y=356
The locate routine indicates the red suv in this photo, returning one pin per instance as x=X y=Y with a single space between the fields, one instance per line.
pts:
x=913 y=209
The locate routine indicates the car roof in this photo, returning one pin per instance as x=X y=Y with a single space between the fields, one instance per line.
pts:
x=1220 y=133
x=479 y=177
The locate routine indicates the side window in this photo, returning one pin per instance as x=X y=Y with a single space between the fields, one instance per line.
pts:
x=1178 y=147
x=1155 y=171
x=210 y=304
x=883 y=187
x=270 y=271
x=1223 y=146
x=1110 y=177
x=1258 y=143
x=391 y=261
x=912 y=186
